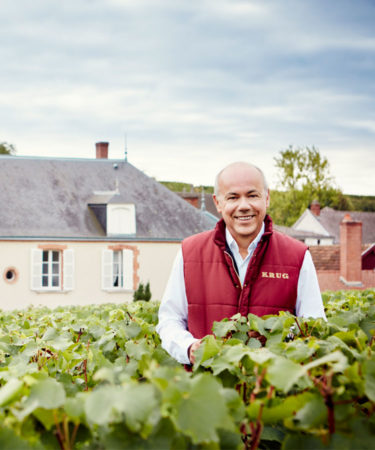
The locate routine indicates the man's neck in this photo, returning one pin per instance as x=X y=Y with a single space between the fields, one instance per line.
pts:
x=243 y=246
x=244 y=243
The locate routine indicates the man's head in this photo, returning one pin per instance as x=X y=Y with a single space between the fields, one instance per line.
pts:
x=242 y=197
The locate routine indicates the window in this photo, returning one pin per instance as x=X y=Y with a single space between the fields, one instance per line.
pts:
x=10 y=275
x=52 y=269
x=118 y=269
x=118 y=272
x=121 y=219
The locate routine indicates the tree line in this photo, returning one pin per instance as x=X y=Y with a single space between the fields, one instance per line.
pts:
x=303 y=176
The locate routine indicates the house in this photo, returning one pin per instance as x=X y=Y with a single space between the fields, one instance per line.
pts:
x=341 y=244
x=79 y=231
x=348 y=265
x=202 y=201
x=325 y=222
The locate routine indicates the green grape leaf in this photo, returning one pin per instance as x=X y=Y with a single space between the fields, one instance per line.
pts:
x=203 y=410
x=369 y=369
x=99 y=405
x=74 y=407
x=221 y=329
x=9 y=440
x=137 y=349
x=261 y=355
x=45 y=417
x=229 y=358
x=10 y=391
x=337 y=360
x=312 y=415
x=132 y=330
x=274 y=414
x=141 y=408
x=305 y=442
x=284 y=373
x=46 y=393
x=209 y=348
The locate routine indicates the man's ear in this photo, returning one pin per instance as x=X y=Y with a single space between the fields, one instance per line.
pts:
x=217 y=203
x=268 y=198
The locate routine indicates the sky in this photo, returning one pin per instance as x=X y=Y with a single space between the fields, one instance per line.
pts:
x=192 y=85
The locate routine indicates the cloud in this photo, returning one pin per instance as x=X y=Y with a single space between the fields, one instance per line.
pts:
x=199 y=82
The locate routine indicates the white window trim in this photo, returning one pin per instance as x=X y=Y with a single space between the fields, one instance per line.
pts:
x=127 y=270
x=66 y=271
x=121 y=219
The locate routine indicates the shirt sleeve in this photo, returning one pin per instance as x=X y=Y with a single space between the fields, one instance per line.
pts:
x=173 y=312
x=309 y=300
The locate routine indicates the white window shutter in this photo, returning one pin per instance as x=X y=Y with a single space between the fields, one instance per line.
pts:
x=68 y=270
x=36 y=269
x=127 y=256
x=107 y=269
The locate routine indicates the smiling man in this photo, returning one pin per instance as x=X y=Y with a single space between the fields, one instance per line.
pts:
x=242 y=266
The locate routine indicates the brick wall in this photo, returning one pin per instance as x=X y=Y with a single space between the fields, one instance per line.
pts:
x=329 y=280
x=341 y=268
x=350 y=249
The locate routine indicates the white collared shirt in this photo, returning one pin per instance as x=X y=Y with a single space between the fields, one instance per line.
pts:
x=242 y=263
x=173 y=311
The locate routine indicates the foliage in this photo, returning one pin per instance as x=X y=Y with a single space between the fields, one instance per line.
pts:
x=177 y=186
x=7 y=149
x=362 y=202
x=142 y=292
x=304 y=176
x=96 y=377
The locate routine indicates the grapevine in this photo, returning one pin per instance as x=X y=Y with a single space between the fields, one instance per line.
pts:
x=97 y=377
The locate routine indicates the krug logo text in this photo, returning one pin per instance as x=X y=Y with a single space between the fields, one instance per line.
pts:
x=285 y=276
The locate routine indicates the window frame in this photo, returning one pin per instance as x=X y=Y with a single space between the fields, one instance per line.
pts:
x=127 y=268
x=65 y=270
x=50 y=263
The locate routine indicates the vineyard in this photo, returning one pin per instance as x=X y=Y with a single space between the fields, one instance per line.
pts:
x=97 y=378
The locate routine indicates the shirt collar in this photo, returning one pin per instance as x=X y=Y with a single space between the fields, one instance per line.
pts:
x=233 y=244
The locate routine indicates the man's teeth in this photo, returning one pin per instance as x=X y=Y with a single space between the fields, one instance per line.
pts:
x=244 y=217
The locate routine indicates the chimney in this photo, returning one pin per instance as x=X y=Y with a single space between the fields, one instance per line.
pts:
x=191 y=198
x=102 y=150
x=350 y=251
x=315 y=208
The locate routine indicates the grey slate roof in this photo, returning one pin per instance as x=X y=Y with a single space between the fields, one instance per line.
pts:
x=49 y=197
x=298 y=234
x=208 y=201
x=331 y=219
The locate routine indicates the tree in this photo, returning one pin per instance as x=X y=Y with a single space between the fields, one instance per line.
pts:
x=303 y=176
x=142 y=293
x=303 y=168
x=7 y=149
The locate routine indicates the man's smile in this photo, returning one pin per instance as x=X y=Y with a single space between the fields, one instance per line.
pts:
x=245 y=218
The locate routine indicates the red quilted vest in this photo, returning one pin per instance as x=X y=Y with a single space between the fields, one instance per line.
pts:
x=213 y=288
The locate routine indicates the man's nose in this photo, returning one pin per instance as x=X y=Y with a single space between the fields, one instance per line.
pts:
x=244 y=203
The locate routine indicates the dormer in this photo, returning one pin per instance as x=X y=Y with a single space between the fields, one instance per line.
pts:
x=120 y=219
x=114 y=213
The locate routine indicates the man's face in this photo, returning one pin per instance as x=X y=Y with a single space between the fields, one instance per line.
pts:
x=242 y=201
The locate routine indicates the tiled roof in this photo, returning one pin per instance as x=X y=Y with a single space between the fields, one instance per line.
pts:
x=326 y=257
x=209 y=205
x=49 y=197
x=297 y=234
x=208 y=201
x=331 y=219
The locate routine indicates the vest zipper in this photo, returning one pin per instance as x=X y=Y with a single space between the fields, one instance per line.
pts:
x=234 y=268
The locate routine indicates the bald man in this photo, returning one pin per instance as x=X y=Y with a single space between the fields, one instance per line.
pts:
x=242 y=266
